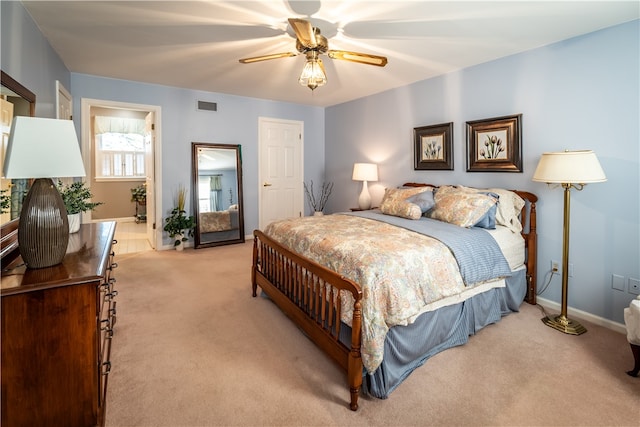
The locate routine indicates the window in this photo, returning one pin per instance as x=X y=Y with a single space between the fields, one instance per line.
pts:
x=119 y=148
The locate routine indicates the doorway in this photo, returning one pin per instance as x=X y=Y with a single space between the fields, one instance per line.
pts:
x=280 y=169
x=119 y=191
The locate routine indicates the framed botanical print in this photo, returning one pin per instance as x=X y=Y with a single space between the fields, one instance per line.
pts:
x=495 y=145
x=433 y=148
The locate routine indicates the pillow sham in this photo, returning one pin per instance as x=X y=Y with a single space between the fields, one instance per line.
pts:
x=395 y=202
x=509 y=207
x=462 y=208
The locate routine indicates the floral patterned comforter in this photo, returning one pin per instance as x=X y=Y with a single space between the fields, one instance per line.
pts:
x=399 y=274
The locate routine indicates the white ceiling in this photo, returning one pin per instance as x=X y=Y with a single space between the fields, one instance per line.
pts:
x=197 y=44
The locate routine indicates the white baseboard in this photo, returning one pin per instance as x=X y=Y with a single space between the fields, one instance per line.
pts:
x=610 y=324
x=125 y=219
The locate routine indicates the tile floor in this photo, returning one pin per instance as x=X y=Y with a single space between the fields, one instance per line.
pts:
x=131 y=237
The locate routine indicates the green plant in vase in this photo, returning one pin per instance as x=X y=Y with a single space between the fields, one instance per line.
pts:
x=178 y=225
x=76 y=197
x=139 y=194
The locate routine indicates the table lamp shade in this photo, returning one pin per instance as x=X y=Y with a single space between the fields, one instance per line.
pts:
x=365 y=172
x=43 y=148
x=569 y=167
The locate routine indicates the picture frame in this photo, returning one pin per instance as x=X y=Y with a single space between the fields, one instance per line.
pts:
x=495 y=144
x=433 y=147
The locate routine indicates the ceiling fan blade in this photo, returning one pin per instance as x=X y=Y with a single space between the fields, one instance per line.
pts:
x=304 y=32
x=363 y=58
x=267 y=57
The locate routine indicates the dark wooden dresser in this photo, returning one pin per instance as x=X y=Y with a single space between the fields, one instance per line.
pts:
x=57 y=327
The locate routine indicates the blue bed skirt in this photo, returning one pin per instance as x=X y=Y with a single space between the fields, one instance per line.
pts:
x=408 y=347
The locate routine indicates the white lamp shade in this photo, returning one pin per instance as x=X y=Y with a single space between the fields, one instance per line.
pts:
x=569 y=167
x=43 y=148
x=365 y=172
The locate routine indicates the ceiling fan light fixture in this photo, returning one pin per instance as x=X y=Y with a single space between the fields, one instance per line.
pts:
x=313 y=74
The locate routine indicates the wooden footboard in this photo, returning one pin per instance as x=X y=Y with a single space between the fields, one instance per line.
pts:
x=311 y=296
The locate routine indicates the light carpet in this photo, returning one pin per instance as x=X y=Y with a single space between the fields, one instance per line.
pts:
x=192 y=347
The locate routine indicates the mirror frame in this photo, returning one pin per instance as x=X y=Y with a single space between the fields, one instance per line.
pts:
x=9 y=230
x=195 y=147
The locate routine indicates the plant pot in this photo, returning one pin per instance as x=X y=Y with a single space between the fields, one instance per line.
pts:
x=179 y=246
x=74 y=222
x=318 y=213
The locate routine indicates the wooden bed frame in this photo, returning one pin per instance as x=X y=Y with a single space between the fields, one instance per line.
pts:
x=310 y=294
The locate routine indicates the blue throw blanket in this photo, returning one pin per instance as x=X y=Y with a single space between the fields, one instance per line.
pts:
x=478 y=255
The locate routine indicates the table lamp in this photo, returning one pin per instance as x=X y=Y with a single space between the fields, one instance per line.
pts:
x=43 y=148
x=365 y=172
x=568 y=169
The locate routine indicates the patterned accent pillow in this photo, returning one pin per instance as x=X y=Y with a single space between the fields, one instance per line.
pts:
x=509 y=207
x=395 y=202
x=461 y=207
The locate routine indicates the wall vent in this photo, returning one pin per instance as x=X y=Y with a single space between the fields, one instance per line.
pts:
x=207 y=106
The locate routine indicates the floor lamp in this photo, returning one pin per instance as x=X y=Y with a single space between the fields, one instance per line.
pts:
x=568 y=169
x=365 y=172
x=43 y=148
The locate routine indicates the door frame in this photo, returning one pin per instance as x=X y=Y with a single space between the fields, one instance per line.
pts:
x=85 y=105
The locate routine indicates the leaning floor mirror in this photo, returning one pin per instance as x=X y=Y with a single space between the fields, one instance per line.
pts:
x=217 y=194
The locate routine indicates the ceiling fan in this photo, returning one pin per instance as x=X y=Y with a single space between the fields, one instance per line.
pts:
x=312 y=43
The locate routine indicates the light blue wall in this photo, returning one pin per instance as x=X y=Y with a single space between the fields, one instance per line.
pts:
x=582 y=93
x=28 y=57
x=235 y=122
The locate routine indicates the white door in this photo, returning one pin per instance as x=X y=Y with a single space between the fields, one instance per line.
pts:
x=63 y=101
x=64 y=104
x=149 y=143
x=280 y=170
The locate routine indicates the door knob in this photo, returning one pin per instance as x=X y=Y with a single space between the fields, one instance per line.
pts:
x=266 y=184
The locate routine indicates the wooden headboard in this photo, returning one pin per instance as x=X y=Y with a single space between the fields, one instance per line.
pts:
x=528 y=221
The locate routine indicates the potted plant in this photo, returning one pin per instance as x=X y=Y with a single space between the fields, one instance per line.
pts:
x=139 y=194
x=5 y=201
x=76 y=197
x=139 y=197
x=178 y=225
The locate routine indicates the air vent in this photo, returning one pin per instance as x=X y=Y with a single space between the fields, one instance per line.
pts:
x=207 y=106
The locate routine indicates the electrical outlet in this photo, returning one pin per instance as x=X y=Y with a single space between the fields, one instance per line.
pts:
x=555 y=267
x=634 y=286
x=617 y=282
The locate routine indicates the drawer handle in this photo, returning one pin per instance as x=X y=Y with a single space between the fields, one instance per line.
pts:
x=106 y=325
x=111 y=295
x=115 y=242
x=114 y=265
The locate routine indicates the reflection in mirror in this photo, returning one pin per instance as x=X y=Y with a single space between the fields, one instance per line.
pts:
x=217 y=194
x=15 y=100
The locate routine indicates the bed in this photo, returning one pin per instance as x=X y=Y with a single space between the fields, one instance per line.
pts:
x=381 y=291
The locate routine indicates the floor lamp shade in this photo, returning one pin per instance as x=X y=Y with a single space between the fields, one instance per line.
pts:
x=365 y=172
x=569 y=169
x=43 y=148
